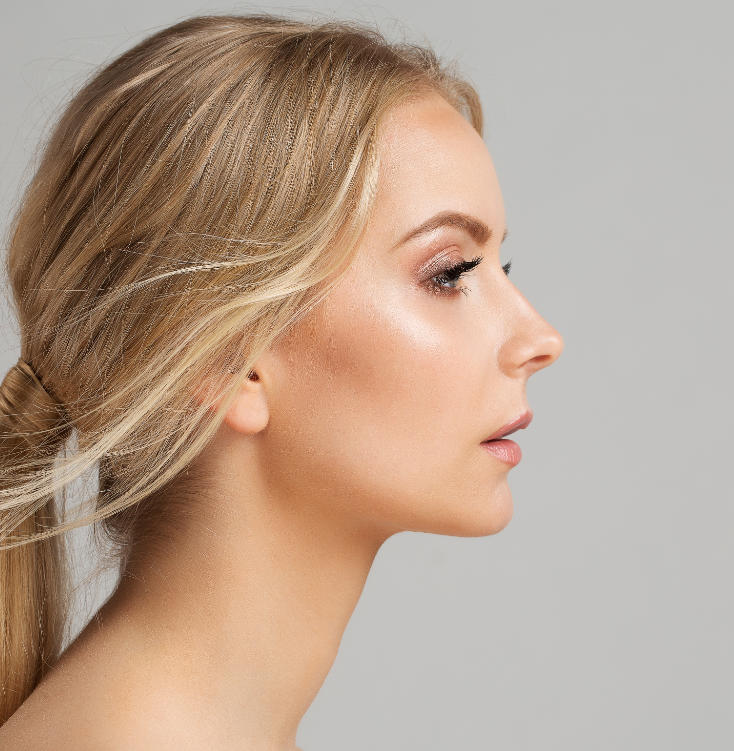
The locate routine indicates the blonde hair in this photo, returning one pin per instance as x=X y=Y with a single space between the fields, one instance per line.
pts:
x=199 y=195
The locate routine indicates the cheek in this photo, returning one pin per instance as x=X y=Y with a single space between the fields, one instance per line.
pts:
x=393 y=368
x=381 y=400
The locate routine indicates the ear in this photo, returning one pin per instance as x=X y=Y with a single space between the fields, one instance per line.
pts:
x=248 y=412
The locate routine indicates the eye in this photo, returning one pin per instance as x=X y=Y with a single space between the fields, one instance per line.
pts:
x=451 y=274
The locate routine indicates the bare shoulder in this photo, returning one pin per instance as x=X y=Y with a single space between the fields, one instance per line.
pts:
x=91 y=699
x=63 y=713
x=76 y=720
x=66 y=712
x=109 y=693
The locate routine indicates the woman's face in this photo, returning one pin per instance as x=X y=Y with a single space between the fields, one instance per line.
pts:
x=379 y=400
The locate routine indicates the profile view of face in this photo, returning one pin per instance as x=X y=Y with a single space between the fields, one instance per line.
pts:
x=379 y=400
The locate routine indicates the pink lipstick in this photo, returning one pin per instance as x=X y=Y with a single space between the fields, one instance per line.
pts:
x=504 y=449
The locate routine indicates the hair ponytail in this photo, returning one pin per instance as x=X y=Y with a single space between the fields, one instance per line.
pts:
x=34 y=579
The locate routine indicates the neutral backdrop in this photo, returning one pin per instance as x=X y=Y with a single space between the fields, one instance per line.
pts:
x=601 y=617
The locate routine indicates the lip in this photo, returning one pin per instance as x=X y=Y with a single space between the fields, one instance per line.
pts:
x=518 y=424
x=505 y=450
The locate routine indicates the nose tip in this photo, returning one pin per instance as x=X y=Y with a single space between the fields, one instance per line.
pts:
x=533 y=343
x=545 y=349
x=549 y=347
x=555 y=345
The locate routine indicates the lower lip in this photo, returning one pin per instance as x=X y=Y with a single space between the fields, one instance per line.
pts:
x=505 y=450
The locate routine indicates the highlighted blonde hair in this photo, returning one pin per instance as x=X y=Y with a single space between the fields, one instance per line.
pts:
x=198 y=196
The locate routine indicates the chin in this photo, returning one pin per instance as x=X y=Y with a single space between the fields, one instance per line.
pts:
x=473 y=518
x=488 y=521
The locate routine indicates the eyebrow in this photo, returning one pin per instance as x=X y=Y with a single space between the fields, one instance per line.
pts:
x=475 y=228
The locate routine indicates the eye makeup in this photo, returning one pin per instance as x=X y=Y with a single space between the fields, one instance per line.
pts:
x=450 y=274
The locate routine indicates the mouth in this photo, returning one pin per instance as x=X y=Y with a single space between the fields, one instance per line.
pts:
x=518 y=424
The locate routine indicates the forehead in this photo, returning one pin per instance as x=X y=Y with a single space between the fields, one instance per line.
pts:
x=431 y=160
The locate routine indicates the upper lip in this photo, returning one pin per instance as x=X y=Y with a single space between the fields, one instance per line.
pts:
x=521 y=422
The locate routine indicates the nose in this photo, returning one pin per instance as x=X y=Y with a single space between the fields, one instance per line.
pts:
x=533 y=344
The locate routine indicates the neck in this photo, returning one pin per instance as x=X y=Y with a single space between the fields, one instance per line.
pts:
x=241 y=619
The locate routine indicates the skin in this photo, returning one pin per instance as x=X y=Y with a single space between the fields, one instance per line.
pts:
x=364 y=421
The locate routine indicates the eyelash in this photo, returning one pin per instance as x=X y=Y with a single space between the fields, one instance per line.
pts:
x=453 y=273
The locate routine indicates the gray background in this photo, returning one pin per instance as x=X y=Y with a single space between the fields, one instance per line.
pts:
x=601 y=617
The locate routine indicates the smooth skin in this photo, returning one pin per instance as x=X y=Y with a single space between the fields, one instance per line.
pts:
x=365 y=420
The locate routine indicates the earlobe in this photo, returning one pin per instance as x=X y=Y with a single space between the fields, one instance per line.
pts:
x=248 y=412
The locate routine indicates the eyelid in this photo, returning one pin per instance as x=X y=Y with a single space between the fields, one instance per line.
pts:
x=437 y=263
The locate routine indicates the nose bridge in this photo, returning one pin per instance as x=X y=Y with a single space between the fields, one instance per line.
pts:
x=531 y=343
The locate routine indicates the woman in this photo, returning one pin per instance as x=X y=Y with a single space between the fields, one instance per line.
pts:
x=258 y=280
